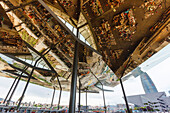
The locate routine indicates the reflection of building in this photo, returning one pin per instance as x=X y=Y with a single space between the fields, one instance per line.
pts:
x=147 y=83
x=158 y=101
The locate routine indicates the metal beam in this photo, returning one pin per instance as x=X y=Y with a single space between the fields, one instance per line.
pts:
x=20 y=29
x=10 y=90
x=19 y=69
x=89 y=91
x=83 y=25
x=16 y=74
x=27 y=64
x=18 y=54
x=18 y=24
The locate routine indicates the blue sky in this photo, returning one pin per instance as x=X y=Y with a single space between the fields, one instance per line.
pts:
x=160 y=75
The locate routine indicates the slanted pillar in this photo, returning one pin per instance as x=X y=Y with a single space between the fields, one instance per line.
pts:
x=127 y=106
x=10 y=90
x=13 y=91
x=53 y=97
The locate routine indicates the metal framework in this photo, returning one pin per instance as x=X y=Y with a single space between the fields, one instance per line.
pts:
x=19 y=78
x=29 y=78
x=49 y=65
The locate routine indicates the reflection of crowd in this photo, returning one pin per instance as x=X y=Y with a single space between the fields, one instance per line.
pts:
x=56 y=32
x=161 y=21
x=66 y=3
x=115 y=3
x=85 y=10
x=125 y=23
x=105 y=35
x=150 y=7
x=11 y=39
x=42 y=24
x=21 y=14
x=96 y=7
x=1 y=20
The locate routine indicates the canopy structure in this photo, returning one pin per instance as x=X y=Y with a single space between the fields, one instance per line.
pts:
x=115 y=36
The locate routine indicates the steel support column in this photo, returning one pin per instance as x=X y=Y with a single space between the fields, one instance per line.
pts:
x=121 y=83
x=104 y=99
x=86 y=102
x=52 y=97
x=127 y=106
x=79 y=105
x=59 y=100
x=74 y=79
x=10 y=90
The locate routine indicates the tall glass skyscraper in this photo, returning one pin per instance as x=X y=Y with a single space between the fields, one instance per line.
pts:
x=147 y=83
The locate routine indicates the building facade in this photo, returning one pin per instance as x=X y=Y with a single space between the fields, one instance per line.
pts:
x=157 y=101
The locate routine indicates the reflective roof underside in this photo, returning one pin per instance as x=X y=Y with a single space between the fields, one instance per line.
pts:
x=121 y=34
